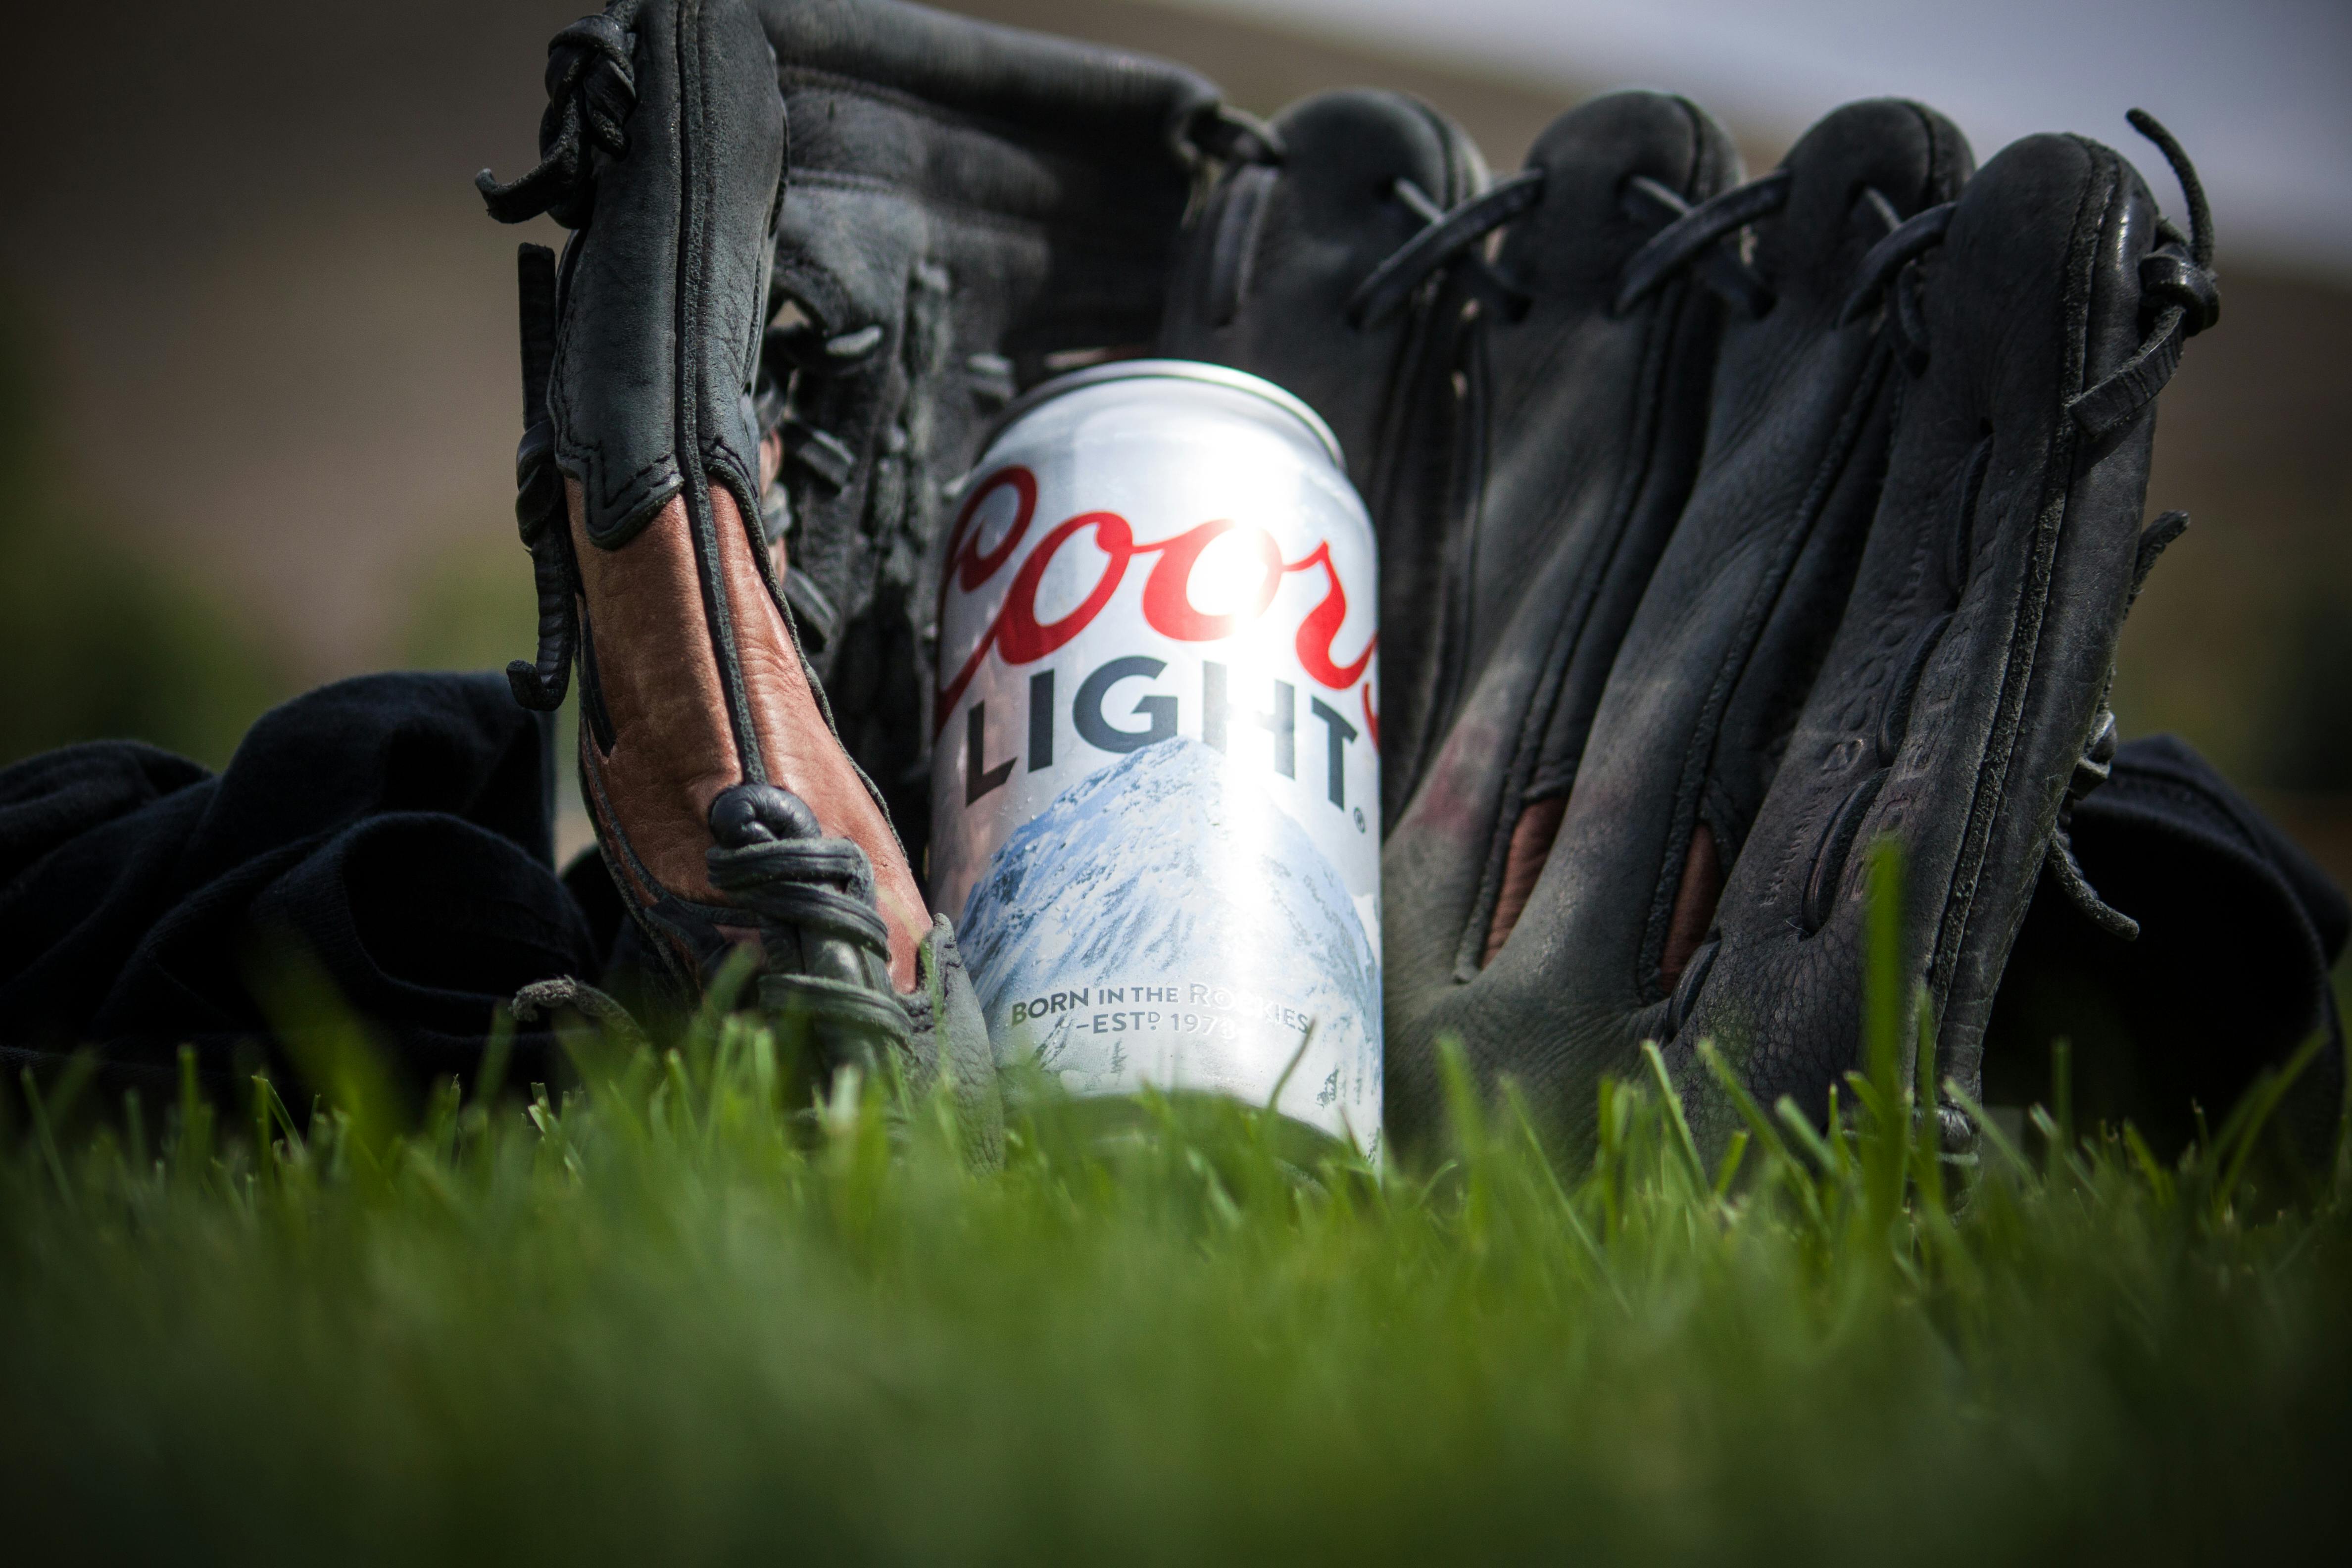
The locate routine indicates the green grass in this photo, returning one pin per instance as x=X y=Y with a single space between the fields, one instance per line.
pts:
x=676 y=1314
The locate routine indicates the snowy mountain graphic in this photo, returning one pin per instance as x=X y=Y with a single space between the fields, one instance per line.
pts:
x=1166 y=870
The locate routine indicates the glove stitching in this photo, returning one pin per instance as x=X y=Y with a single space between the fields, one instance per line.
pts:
x=694 y=261
x=1660 y=332
x=2094 y=203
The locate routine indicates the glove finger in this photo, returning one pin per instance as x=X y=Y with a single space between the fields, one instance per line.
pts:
x=1970 y=671
x=1585 y=423
x=1728 y=632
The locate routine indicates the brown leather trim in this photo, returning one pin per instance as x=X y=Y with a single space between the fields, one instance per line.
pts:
x=673 y=749
x=1694 y=905
x=673 y=746
x=619 y=858
x=800 y=748
x=1532 y=840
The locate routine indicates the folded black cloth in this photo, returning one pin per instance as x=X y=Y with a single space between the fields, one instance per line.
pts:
x=2231 y=973
x=391 y=834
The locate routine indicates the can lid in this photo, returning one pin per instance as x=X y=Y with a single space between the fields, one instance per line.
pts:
x=1171 y=369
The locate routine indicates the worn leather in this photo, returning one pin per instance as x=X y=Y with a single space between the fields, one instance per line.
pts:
x=970 y=208
x=1731 y=617
x=1887 y=607
x=1705 y=565
x=728 y=811
x=690 y=673
x=657 y=344
x=657 y=678
x=1590 y=433
x=2035 y=297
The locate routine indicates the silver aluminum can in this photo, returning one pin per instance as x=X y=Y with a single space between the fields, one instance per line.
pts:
x=1155 y=796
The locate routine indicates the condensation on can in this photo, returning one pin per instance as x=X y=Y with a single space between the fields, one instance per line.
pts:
x=1156 y=788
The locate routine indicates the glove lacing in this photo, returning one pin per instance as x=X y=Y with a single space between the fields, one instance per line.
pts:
x=1691 y=240
x=816 y=893
x=806 y=894
x=2177 y=277
x=592 y=85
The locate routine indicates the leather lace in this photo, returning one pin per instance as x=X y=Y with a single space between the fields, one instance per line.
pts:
x=822 y=887
x=592 y=85
x=1694 y=236
x=540 y=515
x=1450 y=240
x=1445 y=240
x=2177 y=277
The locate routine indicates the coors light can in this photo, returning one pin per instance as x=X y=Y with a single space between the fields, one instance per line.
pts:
x=1155 y=803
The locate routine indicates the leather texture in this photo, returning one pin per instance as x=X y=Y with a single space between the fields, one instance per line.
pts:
x=1774 y=520
x=1971 y=667
x=728 y=812
x=655 y=349
x=1751 y=581
x=1727 y=527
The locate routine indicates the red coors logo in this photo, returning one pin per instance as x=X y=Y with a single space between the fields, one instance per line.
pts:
x=1020 y=638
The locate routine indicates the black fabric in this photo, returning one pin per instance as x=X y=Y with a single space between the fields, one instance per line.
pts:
x=393 y=833
x=2238 y=929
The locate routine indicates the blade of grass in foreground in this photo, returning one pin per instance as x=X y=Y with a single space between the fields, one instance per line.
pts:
x=690 y=1312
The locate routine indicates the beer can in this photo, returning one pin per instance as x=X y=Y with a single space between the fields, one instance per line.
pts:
x=1156 y=779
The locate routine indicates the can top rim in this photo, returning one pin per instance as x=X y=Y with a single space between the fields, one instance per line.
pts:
x=1171 y=369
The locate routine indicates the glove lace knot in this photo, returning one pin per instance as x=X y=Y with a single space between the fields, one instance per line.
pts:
x=590 y=88
x=2176 y=281
x=811 y=898
x=2177 y=286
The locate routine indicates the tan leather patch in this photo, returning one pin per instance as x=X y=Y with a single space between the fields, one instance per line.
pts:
x=799 y=748
x=1694 y=904
x=673 y=749
x=1531 y=839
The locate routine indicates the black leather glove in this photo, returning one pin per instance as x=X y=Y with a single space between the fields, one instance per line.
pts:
x=1724 y=527
x=1743 y=525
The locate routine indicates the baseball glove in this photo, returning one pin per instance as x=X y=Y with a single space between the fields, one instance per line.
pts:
x=1742 y=525
x=815 y=244
x=1727 y=525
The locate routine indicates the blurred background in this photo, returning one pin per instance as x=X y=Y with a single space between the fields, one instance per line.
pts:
x=257 y=365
